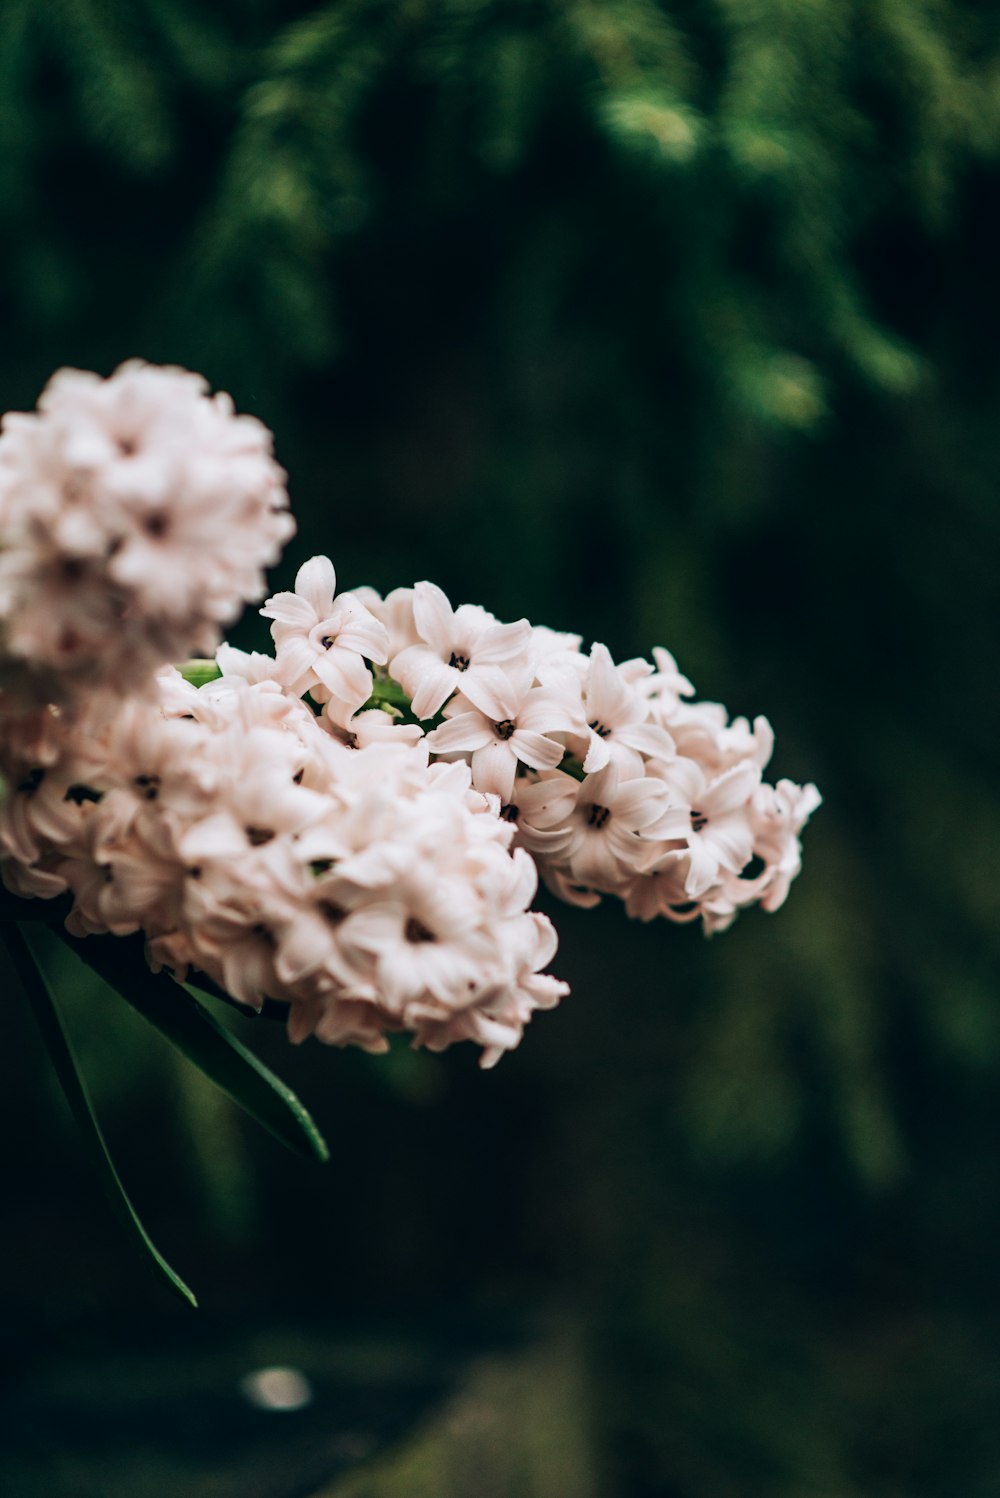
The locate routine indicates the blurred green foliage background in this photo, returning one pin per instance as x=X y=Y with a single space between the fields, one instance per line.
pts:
x=666 y=323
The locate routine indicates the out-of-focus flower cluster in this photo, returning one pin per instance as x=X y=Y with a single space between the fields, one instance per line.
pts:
x=353 y=824
x=136 y=516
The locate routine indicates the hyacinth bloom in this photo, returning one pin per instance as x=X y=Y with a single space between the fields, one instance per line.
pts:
x=504 y=721
x=136 y=516
x=456 y=647
x=324 y=641
x=296 y=827
x=609 y=819
x=617 y=715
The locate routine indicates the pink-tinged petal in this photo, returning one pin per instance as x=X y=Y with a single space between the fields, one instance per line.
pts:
x=545 y=711
x=730 y=791
x=467 y=731
x=607 y=694
x=374 y=927
x=683 y=777
x=732 y=839
x=316 y=582
x=703 y=870
x=434 y=617
x=490 y=689
x=536 y=750
x=764 y=734
x=594 y=863
x=304 y=946
x=503 y=642
x=648 y=739
x=776 y=895
x=550 y=844
x=629 y=764
x=524 y=892
x=547 y=803
x=356 y=628
x=216 y=836
x=290 y=610
x=493 y=770
x=602 y=786
x=345 y=674
x=598 y=754
x=627 y=846
x=672 y=825
x=640 y=801
x=565 y=887
x=294 y=660
x=425 y=679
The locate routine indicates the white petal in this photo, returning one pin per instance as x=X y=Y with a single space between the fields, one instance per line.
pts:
x=358 y=629
x=536 y=750
x=433 y=617
x=466 y=731
x=493 y=770
x=346 y=675
x=598 y=755
x=489 y=689
x=425 y=679
x=316 y=582
x=730 y=790
x=607 y=694
x=647 y=738
x=503 y=642
x=290 y=609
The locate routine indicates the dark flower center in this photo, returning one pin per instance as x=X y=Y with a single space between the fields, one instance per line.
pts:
x=156 y=524
x=598 y=816
x=505 y=729
x=257 y=836
x=417 y=931
x=460 y=662
x=599 y=729
x=699 y=821
x=78 y=794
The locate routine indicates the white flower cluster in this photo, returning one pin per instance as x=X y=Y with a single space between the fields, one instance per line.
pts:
x=615 y=782
x=136 y=515
x=353 y=824
x=371 y=892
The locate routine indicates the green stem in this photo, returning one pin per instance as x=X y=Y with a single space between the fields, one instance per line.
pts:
x=571 y=766
x=57 y=1043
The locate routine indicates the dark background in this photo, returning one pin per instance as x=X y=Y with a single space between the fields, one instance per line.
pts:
x=665 y=324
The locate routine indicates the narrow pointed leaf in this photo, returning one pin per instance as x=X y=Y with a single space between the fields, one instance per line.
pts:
x=194 y=1030
x=61 y=1055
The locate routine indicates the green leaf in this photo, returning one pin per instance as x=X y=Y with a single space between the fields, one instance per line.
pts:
x=200 y=670
x=195 y=1031
x=47 y=1015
